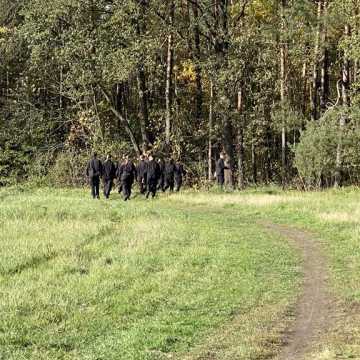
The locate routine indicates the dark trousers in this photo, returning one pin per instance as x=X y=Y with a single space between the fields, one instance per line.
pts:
x=169 y=184
x=126 y=188
x=108 y=184
x=142 y=185
x=221 y=180
x=95 y=186
x=151 y=188
x=178 y=184
x=161 y=183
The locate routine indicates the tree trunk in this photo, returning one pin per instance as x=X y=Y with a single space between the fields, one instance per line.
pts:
x=123 y=121
x=141 y=82
x=315 y=73
x=283 y=94
x=197 y=58
x=253 y=161
x=342 y=122
x=169 y=75
x=324 y=94
x=221 y=49
x=211 y=115
x=305 y=84
x=240 y=145
x=144 y=113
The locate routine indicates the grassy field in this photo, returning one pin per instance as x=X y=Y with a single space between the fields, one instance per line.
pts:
x=188 y=276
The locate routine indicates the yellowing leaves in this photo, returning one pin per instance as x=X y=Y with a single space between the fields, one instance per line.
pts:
x=262 y=9
x=4 y=30
x=187 y=71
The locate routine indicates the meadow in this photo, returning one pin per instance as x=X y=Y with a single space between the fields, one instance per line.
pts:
x=187 y=276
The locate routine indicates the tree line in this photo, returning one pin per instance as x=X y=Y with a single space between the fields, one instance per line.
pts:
x=272 y=83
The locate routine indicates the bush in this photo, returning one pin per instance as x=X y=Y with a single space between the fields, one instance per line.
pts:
x=69 y=169
x=315 y=155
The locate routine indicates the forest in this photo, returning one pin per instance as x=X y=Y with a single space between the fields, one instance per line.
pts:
x=272 y=83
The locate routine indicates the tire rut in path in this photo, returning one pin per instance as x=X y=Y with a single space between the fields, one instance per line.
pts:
x=314 y=311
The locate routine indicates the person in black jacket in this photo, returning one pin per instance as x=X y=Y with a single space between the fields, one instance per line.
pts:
x=153 y=173
x=118 y=166
x=94 y=173
x=220 y=170
x=169 y=173
x=161 y=179
x=126 y=174
x=141 y=174
x=109 y=173
x=179 y=172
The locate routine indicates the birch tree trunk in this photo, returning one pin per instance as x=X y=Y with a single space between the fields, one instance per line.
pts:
x=315 y=72
x=240 y=141
x=197 y=57
x=283 y=93
x=324 y=93
x=211 y=120
x=169 y=75
x=342 y=121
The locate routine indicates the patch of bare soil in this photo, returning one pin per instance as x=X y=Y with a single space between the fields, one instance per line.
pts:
x=315 y=309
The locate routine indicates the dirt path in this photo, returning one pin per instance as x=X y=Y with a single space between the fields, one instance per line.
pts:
x=314 y=310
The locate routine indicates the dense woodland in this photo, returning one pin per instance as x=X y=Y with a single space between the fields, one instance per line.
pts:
x=273 y=83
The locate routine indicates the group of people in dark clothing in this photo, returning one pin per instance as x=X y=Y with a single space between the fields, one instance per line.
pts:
x=151 y=175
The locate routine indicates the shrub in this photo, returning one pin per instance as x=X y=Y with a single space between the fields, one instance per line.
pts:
x=315 y=155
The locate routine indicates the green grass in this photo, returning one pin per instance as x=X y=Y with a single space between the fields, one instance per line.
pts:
x=85 y=279
x=187 y=276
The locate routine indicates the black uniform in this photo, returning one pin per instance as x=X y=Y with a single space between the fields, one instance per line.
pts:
x=179 y=172
x=169 y=173
x=109 y=174
x=141 y=173
x=126 y=174
x=220 y=171
x=153 y=173
x=94 y=172
x=161 y=179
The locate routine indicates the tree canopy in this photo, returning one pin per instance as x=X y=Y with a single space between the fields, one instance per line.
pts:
x=188 y=79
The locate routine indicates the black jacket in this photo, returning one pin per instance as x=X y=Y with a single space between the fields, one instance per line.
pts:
x=220 y=168
x=109 y=170
x=94 y=168
x=126 y=171
x=169 y=170
x=179 y=171
x=142 y=169
x=153 y=171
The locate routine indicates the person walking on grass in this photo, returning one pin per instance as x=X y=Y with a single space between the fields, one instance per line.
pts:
x=118 y=166
x=109 y=174
x=220 y=170
x=94 y=172
x=179 y=173
x=161 y=180
x=141 y=174
x=126 y=174
x=153 y=174
x=169 y=174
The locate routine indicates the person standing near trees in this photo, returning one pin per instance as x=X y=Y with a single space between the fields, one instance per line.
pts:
x=141 y=173
x=220 y=170
x=126 y=174
x=169 y=173
x=179 y=173
x=109 y=174
x=94 y=172
x=153 y=173
x=161 y=180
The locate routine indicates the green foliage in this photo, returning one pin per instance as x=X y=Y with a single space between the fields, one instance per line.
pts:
x=77 y=75
x=68 y=169
x=315 y=155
